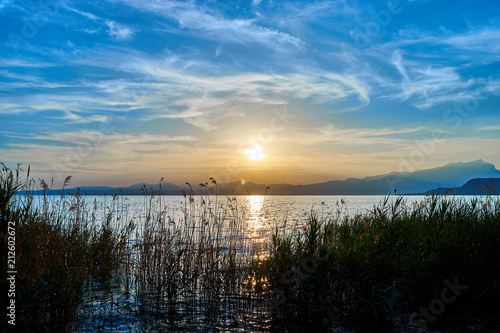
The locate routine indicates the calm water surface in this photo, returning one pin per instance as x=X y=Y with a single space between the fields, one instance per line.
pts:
x=248 y=208
x=259 y=213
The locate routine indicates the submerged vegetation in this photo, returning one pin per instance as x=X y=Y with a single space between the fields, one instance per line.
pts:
x=81 y=267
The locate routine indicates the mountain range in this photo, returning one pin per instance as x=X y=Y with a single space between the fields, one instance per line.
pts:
x=465 y=177
x=473 y=186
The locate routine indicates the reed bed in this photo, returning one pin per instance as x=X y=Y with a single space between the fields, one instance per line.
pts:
x=84 y=267
x=378 y=271
x=196 y=270
x=61 y=250
x=87 y=267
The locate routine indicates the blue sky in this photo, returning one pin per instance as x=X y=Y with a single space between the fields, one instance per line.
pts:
x=128 y=91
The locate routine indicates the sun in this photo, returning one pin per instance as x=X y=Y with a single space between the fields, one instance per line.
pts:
x=255 y=153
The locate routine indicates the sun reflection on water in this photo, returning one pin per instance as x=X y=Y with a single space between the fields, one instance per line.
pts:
x=256 y=225
x=257 y=232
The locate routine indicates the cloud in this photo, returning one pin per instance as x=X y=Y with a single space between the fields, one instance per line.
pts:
x=16 y=76
x=424 y=85
x=485 y=40
x=192 y=90
x=90 y=31
x=200 y=67
x=81 y=107
x=491 y=128
x=238 y=31
x=203 y=100
x=119 y=31
x=212 y=26
x=3 y=3
x=25 y=63
x=83 y=13
x=353 y=136
x=396 y=59
x=477 y=46
x=74 y=118
x=435 y=67
x=86 y=137
x=218 y=51
x=90 y=155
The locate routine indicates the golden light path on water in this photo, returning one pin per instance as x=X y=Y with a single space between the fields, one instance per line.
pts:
x=257 y=229
x=255 y=223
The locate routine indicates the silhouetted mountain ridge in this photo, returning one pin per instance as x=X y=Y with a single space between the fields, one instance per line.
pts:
x=452 y=175
x=483 y=186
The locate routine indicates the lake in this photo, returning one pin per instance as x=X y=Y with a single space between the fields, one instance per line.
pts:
x=258 y=214
x=262 y=209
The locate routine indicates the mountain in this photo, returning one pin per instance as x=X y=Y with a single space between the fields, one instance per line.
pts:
x=473 y=186
x=452 y=175
x=137 y=189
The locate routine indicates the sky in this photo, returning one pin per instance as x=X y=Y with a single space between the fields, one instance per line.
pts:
x=127 y=91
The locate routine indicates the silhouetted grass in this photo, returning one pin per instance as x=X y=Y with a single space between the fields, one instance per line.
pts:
x=368 y=271
x=60 y=249
x=197 y=269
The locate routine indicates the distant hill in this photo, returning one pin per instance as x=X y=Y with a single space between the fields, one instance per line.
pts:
x=418 y=182
x=452 y=175
x=137 y=189
x=473 y=186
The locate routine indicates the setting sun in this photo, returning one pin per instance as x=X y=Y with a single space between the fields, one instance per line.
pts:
x=255 y=153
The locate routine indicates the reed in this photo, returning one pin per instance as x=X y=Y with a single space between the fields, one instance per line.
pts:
x=60 y=249
x=195 y=268
x=368 y=271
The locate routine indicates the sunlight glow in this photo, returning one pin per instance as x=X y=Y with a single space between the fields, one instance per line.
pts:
x=255 y=153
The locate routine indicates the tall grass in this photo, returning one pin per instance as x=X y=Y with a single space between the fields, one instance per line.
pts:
x=60 y=249
x=95 y=268
x=85 y=267
x=196 y=268
x=366 y=271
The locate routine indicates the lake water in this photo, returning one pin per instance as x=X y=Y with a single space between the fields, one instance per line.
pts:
x=259 y=213
x=266 y=209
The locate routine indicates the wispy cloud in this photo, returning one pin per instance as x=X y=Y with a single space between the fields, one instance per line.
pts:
x=83 y=13
x=88 y=154
x=490 y=128
x=25 y=63
x=216 y=27
x=207 y=98
x=355 y=136
x=3 y=3
x=82 y=137
x=80 y=108
x=425 y=85
x=396 y=59
x=484 y=40
x=119 y=31
x=74 y=118
x=17 y=76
